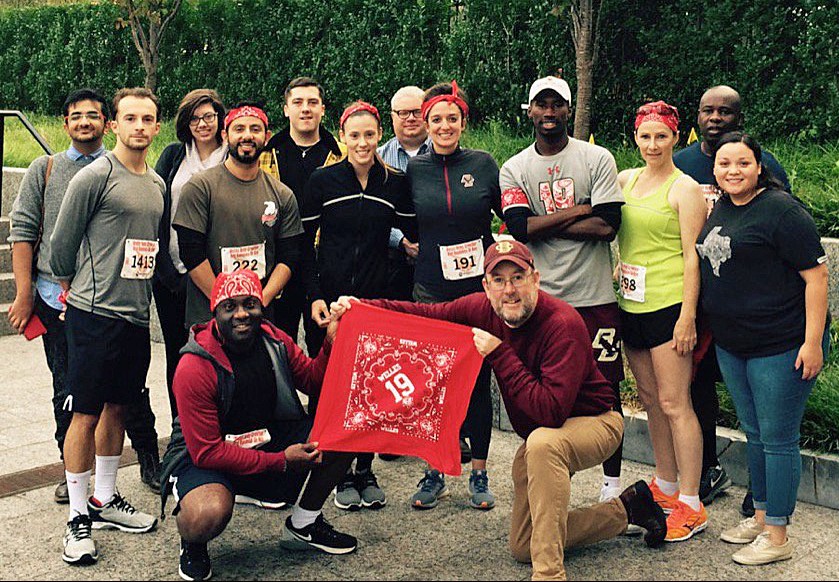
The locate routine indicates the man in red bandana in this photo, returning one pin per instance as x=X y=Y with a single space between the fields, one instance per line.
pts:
x=558 y=402
x=242 y=430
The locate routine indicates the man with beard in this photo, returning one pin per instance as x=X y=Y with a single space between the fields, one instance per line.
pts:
x=236 y=216
x=103 y=248
x=720 y=112
x=291 y=156
x=557 y=400
x=242 y=430
x=561 y=197
x=33 y=218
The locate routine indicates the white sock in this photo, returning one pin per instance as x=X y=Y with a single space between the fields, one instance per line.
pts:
x=300 y=517
x=692 y=500
x=77 y=489
x=106 y=478
x=669 y=488
x=611 y=482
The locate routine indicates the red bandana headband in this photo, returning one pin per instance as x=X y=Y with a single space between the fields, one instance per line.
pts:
x=235 y=284
x=658 y=111
x=453 y=98
x=245 y=111
x=355 y=108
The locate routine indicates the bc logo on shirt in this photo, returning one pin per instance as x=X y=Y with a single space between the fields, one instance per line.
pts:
x=269 y=216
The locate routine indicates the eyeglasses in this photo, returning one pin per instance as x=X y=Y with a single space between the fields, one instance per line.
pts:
x=406 y=113
x=207 y=118
x=499 y=283
x=92 y=116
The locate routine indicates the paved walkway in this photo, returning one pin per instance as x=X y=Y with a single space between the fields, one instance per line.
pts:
x=450 y=542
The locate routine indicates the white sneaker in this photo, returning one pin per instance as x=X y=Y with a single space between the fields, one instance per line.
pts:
x=607 y=494
x=763 y=551
x=79 y=546
x=743 y=533
x=121 y=515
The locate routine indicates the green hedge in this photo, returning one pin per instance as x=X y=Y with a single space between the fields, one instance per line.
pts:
x=782 y=56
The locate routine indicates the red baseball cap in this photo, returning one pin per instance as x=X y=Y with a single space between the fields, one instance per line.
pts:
x=508 y=250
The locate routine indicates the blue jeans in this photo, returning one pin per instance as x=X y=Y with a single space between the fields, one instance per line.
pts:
x=770 y=398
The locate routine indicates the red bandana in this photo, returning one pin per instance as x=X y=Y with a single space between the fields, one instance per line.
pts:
x=235 y=284
x=658 y=111
x=397 y=383
x=355 y=108
x=453 y=98
x=245 y=111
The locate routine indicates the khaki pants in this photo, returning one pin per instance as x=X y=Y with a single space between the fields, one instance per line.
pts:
x=541 y=525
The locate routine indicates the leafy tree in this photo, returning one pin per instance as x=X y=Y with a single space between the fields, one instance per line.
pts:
x=148 y=20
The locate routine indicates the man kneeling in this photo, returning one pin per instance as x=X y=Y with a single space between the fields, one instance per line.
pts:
x=242 y=430
x=557 y=400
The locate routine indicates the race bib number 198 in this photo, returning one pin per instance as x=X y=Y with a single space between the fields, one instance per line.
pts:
x=633 y=282
x=138 y=261
x=463 y=260
x=251 y=257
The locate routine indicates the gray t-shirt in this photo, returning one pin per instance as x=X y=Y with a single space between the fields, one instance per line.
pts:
x=242 y=222
x=109 y=219
x=579 y=272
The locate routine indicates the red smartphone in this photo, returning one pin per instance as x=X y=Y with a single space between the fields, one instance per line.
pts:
x=34 y=328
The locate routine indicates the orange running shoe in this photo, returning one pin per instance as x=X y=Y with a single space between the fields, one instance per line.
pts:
x=666 y=502
x=684 y=522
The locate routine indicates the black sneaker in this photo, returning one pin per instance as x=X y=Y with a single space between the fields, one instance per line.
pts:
x=195 y=562
x=747 y=509
x=319 y=535
x=642 y=510
x=714 y=481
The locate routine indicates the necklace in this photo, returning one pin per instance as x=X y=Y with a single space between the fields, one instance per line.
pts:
x=304 y=151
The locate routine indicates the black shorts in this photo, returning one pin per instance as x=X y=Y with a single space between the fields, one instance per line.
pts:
x=107 y=361
x=273 y=487
x=644 y=331
x=604 y=328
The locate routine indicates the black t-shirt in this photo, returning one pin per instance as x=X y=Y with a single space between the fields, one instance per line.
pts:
x=296 y=163
x=750 y=258
x=255 y=395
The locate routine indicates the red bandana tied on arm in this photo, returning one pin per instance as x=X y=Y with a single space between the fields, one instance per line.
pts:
x=397 y=383
x=453 y=98
x=658 y=111
x=355 y=108
x=245 y=111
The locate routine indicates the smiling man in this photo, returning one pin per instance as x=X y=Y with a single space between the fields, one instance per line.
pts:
x=241 y=429
x=236 y=216
x=557 y=400
x=103 y=249
x=561 y=197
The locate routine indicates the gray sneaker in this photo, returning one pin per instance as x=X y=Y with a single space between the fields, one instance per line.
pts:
x=79 y=546
x=372 y=495
x=121 y=515
x=431 y=488
x=346 y=494
x=480 y=495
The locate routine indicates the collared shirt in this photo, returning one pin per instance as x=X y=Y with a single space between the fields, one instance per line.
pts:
x=50 y=290
x=396 y=156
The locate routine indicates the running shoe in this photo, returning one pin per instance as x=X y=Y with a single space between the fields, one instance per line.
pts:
x=668 y=503
x=372 y=496
x=319 y=535
x=347 y=496
x=480 y=497
x=79 y=546
x=431 y=488
x=684 y=522
x=714 y=481
x=119 y=514
x=195 y=562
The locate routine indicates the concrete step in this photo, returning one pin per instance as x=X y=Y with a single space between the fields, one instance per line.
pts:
x=5 y=257
x=5 y=227
x=5 y=326
x=7 y=288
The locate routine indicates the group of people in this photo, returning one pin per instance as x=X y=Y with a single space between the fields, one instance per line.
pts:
x=238 y=234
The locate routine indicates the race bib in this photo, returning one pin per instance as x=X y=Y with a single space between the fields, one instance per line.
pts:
x=251 y=257
x=633 y=282
x=138 y=261
x=249 y=440
x=463 y=260
x=711 y=194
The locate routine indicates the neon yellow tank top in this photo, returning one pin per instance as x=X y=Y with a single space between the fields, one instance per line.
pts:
x=652 y=264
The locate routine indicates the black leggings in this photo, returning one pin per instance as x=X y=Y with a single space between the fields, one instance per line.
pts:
x=706 y=404
x=478 y=423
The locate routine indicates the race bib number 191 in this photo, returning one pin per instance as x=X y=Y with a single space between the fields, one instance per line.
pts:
x=633 y=282
x=463 y=260
x=251 y=257
x=138 y=261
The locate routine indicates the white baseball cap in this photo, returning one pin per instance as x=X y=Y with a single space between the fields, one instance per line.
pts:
x=550 y=82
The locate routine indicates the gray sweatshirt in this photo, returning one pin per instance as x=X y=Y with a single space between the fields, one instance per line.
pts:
x=26 y=211
x=105 y=205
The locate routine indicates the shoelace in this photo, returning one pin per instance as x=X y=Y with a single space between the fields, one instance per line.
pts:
x=80 y=529
x=428 y=483
x=368 y=479
x=119 y=503
x=480 y=483
x=762 y=541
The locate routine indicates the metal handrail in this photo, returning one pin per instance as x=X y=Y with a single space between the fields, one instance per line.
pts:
x=4 y=113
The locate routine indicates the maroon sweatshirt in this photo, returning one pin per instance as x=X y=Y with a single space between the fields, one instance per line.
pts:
x=545 y=368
